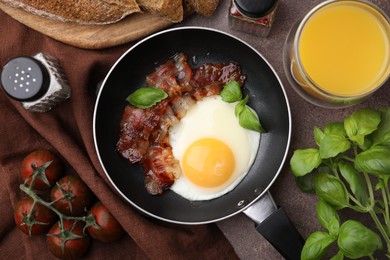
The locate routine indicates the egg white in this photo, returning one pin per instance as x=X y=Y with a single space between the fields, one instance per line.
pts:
x=211 y=117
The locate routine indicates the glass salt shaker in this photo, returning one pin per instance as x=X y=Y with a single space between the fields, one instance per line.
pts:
x=253 y=16
x=38 y=82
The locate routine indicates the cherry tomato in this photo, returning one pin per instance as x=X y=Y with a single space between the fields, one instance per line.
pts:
x=75 y=242
x=72 y=196
x=109 y=228
x=48 y=166
x=33 y=219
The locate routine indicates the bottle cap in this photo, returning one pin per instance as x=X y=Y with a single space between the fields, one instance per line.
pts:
x=25 y=79
x=254 y=8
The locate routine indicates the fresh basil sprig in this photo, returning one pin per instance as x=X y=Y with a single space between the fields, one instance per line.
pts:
x=350 y=168
x=146 y=97
x=230 y=93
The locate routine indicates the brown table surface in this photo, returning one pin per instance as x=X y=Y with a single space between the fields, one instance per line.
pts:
x=300 y=207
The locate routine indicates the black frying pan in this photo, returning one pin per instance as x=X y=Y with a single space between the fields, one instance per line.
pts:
x=266 y=96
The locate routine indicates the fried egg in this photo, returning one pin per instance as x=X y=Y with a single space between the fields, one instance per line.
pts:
x=214 y=151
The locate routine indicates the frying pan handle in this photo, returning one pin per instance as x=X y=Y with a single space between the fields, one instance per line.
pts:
x=275 y=226
x=281 y=233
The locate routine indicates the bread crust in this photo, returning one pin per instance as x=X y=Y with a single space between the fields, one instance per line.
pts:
x=79 y=11
x=170 y=9
x=203 y=7
x=92 y=12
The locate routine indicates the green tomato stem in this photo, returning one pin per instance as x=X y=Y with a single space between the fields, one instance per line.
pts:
x=49 y=205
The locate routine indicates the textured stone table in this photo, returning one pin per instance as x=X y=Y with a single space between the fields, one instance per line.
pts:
x=300 y=207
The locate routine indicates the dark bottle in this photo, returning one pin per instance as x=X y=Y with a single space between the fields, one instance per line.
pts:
x=253 y=16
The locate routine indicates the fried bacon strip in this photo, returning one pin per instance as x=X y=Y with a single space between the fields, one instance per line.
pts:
x=135 y=129
x=144 y=133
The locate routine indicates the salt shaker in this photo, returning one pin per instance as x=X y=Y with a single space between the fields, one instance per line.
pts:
x=38 y=82
x=253 y=16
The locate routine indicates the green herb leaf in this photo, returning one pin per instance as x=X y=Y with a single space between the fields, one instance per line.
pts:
x=375 y=160
x=304 y=161
x=356 y=240
x=318 y=135
x=316 y=245
x=382 y=134
x=240 y=106
x=146 y=97
x=328 y=217
x=231 y=92
x=248 y=119
x=306 y=182
x=332 y=145
x=361 y=123
x=335 y=128
x=338 y=256
x=332 y=190
x=356 y=182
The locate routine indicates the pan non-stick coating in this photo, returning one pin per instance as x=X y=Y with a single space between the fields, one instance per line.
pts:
x=266 y=97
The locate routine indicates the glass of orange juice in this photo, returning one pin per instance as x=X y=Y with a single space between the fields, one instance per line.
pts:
x=339 y=53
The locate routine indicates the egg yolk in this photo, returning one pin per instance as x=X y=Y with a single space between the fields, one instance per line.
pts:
x=208 y=162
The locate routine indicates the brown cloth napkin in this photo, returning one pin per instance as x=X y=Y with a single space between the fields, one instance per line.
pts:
x=67 y=131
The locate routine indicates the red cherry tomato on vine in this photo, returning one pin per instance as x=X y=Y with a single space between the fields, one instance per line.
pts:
x=109 y=228
x=33 y=219
x=47 y=164
x=72 y=196
x=75 y=242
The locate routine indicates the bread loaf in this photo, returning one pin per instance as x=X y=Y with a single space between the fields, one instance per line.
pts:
x=79 y=11
x=170 y=9
x=203 y=7
x=110 y=11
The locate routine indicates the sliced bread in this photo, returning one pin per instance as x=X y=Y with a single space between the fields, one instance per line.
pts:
x=79 y=11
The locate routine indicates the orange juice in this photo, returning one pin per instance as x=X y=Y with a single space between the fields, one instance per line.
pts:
x=343 y=48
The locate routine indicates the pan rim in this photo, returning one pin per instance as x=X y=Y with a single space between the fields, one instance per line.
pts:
x=266 y=189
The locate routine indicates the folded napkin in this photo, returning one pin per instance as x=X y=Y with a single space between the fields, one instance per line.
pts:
x=67 y=131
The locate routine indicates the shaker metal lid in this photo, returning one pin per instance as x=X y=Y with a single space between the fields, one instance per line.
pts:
x=254 y=8
x=25 y=79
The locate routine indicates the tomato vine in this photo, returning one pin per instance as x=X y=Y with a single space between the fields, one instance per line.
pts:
x=70 y=203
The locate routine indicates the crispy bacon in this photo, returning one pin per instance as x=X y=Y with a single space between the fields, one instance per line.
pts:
x=160 y=166
x=210 y=74
x=144 y=134
x=173 y=76
x=135 y=129
x=209 y=79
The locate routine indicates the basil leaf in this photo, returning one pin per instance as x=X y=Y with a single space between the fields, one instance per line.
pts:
x=304 y=161
x=382 y=134
x=240 y=106
x=247 y=119
x=328 y=217
x=336 y=128
x=356 y=240
x=316 y=245
x=332 y=145
x=146 y=97
x=318 y=135
x=306 y=182
x=361 y=123
x=231 y=92
x=375 y=160
x=332 y=190
x=338 y=256
x=356 y=182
